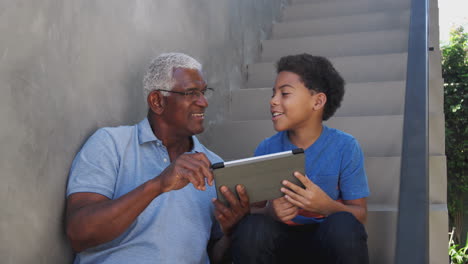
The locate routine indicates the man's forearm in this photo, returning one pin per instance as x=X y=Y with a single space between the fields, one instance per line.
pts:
x=96 y=222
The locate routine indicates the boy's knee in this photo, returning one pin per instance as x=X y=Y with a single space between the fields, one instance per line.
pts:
x=342 y=229
x=342 y=236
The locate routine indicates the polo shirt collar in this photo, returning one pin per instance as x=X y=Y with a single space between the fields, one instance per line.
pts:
x=145 y=134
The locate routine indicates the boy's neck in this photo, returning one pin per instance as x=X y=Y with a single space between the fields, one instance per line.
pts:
x=306 y=136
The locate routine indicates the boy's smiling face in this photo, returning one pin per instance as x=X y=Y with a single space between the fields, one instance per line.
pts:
x=292 y=105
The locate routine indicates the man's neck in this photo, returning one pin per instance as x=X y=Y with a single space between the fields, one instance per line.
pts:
x=175 y=143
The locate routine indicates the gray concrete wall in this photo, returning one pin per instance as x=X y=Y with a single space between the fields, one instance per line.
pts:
x=68 y=67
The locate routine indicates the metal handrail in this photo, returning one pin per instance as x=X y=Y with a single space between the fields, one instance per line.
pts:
x=413 y=210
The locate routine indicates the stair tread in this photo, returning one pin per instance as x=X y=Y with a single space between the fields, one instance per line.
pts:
x=301 y=11
x=365 y=68
x=349 y=44
x=388 y=99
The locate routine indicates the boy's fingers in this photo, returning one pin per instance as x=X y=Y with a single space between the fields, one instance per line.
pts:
x=293 y=195
x=293 y=201
x=294 y=187
x=305 y=180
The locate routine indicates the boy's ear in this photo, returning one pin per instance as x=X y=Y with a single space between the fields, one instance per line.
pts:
x=320 y=101
x=156 y=102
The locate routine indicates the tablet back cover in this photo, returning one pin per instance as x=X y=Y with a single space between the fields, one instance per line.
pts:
x=261 y=179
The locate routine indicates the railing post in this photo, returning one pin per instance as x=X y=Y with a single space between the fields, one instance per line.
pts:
x=413 y=211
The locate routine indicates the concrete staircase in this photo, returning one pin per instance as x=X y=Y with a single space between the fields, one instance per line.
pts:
x=367 y=42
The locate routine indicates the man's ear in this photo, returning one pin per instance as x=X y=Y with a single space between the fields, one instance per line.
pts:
x=156 y=102
x=320 y=101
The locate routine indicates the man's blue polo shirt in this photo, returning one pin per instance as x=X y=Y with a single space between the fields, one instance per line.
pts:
x=174 y=228
x=334 y=162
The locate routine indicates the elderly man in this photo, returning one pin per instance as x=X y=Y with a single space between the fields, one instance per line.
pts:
x=144 y=193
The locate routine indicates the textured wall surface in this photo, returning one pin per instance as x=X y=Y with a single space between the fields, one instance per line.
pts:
x=68 y=67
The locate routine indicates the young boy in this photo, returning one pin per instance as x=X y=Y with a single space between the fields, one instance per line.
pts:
x=323 y=222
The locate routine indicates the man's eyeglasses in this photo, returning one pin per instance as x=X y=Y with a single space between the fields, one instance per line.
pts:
x=192 y=94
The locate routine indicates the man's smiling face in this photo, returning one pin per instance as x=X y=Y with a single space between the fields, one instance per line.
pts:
x=185 y=113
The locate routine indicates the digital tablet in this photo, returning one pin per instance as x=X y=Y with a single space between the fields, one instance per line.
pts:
x=261 y=175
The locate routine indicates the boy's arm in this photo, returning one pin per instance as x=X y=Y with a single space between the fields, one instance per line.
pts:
x=314 y=199
x=357 y=207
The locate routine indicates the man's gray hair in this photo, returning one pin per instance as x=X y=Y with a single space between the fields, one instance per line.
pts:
x=159 y=74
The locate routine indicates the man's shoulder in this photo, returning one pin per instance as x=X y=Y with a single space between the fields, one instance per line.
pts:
x=109 y=138
x=118 y=131
x=116 y=134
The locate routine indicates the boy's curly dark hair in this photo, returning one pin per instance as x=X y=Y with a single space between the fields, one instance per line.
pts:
x=318 y=74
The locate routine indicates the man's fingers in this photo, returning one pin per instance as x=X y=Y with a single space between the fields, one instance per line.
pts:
x=221 y=209
x=201 y=157
x=193 y=173
x=200 y=163
x=243 y=196
x=195 y=179
x=230 y=197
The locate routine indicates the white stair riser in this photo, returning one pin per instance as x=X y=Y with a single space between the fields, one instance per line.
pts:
x=375 y=68
x=379 y=136
x=344 y=8
x=340 y=25
x=355 y=44
x=387 y=99
x=382 y=227
x=383 y=175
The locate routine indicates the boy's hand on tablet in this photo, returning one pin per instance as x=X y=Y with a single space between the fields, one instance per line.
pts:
x=312 y=198
x=282 y=210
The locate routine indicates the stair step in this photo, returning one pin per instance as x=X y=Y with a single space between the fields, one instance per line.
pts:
x=340 y=45
x=387 y=99
x=354 y=69
x=381 y=228
x=383 y=174
x=342 y=8
x=379 y=136
x=344 y=24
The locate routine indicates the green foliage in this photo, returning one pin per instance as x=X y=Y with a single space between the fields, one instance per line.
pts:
x=457 y=255
x=455 y=74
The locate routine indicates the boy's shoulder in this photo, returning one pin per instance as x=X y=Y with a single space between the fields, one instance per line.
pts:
x=337 y=134
x=271 y=144
x=339 y=140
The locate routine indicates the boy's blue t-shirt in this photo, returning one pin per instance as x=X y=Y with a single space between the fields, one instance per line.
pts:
x=334 y=162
